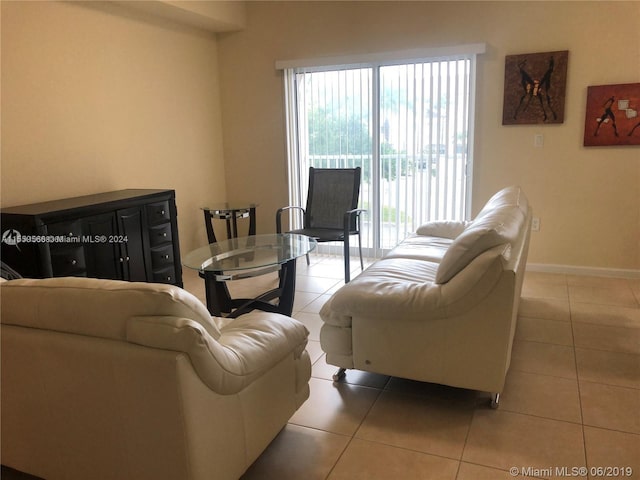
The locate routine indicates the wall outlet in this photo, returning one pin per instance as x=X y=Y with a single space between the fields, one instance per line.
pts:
x=535 y=224
x=538 y=140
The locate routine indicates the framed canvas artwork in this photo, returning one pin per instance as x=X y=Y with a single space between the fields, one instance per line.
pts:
x=535 y=88
x=612 y=115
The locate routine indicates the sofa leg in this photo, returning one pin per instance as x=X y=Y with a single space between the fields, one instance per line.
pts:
x=495 y=400
x=339 y=375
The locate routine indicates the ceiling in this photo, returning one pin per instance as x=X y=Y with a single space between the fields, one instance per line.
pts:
x=211 y=15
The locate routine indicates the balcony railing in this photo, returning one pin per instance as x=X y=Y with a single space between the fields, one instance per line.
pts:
x=411 y=190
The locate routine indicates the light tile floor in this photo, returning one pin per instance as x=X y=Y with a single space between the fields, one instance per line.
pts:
x=572 y=397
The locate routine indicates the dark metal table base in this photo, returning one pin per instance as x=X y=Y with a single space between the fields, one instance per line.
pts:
x=220 y=303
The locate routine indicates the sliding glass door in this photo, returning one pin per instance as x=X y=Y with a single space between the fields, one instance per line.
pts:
x=423 y=140
x=406 y=125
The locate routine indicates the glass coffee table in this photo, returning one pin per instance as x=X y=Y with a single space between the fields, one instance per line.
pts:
x=246 y=257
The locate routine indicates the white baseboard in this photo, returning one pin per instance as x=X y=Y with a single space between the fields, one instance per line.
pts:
x=577 y=270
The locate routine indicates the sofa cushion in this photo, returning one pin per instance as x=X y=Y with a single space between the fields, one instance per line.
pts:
x=442 y=228
x=494 y=228
x=421 y=247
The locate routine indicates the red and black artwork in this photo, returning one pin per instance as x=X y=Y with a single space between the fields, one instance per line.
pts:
x=534 y=88
x=612 y=115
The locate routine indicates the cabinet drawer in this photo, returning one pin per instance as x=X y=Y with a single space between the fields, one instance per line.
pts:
x=68 y=262
x=162 y=256
x=166 y=275
x=157 y=212
x=160 y=234
x=66 y=229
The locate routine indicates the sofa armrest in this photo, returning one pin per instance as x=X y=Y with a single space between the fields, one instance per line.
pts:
x=248 y=347
x=395 y=288
x=442 y=228
x=391 y=287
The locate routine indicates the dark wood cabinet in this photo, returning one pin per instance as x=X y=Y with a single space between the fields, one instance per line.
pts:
x=123 y=235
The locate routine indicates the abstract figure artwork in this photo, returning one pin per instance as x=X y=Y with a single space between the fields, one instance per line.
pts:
x=612 y=115
x=534 y=88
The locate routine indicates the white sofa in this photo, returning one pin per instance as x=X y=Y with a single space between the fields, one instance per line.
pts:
x=115 y=380
x=442 y=306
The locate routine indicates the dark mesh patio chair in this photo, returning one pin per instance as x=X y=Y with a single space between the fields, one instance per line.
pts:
x=332 y=212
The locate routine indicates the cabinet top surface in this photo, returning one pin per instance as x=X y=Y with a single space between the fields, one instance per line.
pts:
x=83 y=201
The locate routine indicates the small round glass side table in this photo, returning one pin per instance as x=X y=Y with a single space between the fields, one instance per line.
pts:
x=230 y=212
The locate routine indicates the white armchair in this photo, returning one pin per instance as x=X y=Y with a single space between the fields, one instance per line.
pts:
x=109 y=379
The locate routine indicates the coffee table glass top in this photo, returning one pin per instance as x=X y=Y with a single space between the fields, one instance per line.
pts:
x=254 y=251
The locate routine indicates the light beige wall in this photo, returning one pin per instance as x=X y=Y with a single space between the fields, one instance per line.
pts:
x=588 y=199
x=96 y=98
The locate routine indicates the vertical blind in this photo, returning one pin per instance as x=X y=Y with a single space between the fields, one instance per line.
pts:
x=407 y=124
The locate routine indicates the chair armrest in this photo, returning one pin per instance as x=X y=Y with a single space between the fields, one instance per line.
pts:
x=249 y=346
x=279 y=215
x=347 y=219
x=356 y=211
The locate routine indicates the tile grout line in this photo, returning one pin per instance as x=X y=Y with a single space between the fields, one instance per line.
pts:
x=353 y=436
x=466 y=439
x=575 y=360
